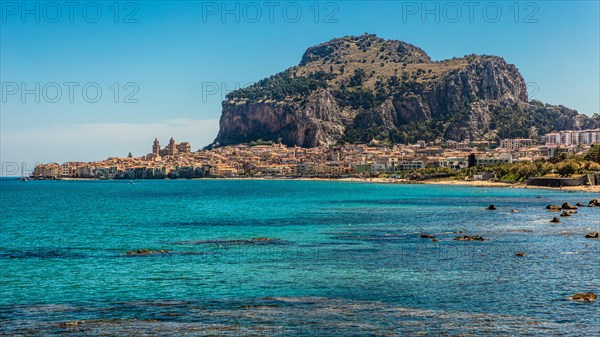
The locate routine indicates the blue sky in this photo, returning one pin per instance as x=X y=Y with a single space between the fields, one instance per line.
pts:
x=174 y=61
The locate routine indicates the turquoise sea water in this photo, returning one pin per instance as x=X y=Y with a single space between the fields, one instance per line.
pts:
x=347 y=260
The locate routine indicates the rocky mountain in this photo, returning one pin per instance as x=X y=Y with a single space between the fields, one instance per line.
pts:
x=363 y=88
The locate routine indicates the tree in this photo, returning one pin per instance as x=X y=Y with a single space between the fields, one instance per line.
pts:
x=593 y=153
x=358 y=78
x=594 y=167
x=568 y=168
x=472 y=160
x=558 y=157
x=129 y=155
x=533 y=132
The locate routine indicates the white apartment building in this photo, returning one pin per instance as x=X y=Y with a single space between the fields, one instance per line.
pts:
x=515 y=143
x=64 y=170
x=589 y=136
x=409 y=165
x=572 y=137
x=501 y=159
x=551 y=138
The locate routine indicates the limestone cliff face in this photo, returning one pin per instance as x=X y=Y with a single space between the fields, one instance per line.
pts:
x=469 y=89
x=485 y=79
x=359 y=88
x=313 y=123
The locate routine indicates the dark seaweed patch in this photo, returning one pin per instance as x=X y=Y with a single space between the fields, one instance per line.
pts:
x=40 y=253
x=253 y=241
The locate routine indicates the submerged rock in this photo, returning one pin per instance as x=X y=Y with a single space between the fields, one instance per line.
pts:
x=70 y=324
x=147 y=252
x=469 y=238
x=427 y=236
x=588 y=297
x=592 y=235
x=262 y=239
x=435 y=240
x=253 y=241
x=520 y=254
x=555 y=220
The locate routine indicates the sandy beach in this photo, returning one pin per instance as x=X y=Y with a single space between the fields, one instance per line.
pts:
x=454 y=182
x=583 y=188
x=449 y=182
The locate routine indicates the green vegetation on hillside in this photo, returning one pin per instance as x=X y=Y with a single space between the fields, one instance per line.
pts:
x=562 y=165
x=283 y=85
x=392 y=92
x=593 y=154
x=515 y=121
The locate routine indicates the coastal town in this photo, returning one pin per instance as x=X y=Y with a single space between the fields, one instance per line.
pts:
x=268 y=159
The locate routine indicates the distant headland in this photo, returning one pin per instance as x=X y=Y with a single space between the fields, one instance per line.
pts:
x=356 y=89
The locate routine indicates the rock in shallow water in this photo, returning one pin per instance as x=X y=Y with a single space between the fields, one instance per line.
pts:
x=592 y=235
x=555 y=220
x=588 y=297
x=594 y=202
x=469 y=238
